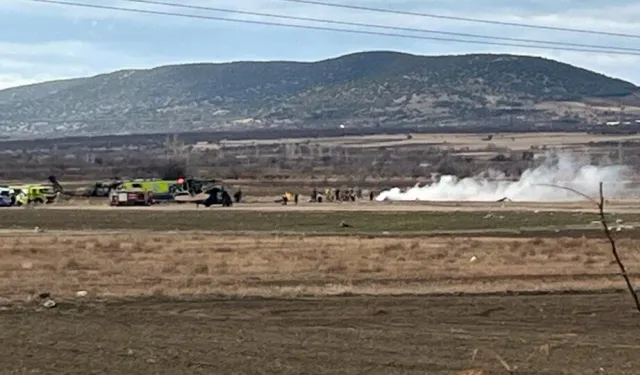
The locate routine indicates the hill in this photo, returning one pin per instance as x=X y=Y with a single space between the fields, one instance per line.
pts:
x=361 y=89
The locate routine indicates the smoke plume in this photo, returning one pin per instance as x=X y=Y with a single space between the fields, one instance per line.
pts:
x=558 y=169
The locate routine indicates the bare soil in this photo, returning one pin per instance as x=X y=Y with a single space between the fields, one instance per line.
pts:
x=268 y=204
x=542 y=335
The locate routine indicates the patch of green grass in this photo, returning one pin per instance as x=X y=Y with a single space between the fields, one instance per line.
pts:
x=307 y=222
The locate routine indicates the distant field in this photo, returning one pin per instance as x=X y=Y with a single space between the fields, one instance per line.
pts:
x=268 y=167
x=475 y=141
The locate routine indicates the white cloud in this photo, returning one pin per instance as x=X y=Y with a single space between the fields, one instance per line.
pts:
x=30 y=62
x=37 y=62
x=619 y=16
x=13 y=80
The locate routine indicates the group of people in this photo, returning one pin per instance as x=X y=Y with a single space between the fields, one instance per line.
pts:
x=330 y=195
x=287 y=197
x=340 y=195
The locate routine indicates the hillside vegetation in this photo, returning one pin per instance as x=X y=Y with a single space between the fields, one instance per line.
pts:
x=362 y=89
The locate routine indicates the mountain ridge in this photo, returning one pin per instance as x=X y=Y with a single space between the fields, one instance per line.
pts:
x=370 y=88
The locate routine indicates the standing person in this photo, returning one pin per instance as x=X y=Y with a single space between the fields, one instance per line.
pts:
x=295 y=198
x=338 y=195
x=371 y=195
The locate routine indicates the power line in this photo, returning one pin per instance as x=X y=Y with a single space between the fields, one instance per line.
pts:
x=477 y=20
x=297 y=18
x=322 y=28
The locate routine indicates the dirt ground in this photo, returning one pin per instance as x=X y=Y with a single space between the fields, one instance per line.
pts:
x=542 y=335
x=620 y=205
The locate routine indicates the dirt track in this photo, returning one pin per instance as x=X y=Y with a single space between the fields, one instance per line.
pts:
x=629 y=206
x=569 y=334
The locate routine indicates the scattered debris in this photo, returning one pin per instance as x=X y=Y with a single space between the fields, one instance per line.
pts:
x=505 y=199
x=44 y=295
x=81 y=293
x=473 y=259
x=472 y=372
x=344 y=225
x=490 y=215
x=49 y=304
x=618 y=228
x=38 y=230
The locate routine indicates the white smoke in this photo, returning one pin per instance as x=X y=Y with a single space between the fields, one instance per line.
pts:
x=558 y=169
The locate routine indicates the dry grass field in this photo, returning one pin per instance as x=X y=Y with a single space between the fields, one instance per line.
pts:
x=289 y=291
x=179 y=264
x=334 y=305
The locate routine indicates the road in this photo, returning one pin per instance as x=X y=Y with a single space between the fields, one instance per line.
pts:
x=627 y=206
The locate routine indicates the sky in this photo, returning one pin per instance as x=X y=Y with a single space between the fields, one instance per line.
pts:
x=40 y=42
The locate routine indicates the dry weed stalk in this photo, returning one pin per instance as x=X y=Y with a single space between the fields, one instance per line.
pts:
x=543 y=350
x=607 y=231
